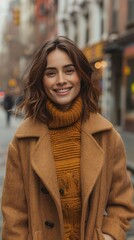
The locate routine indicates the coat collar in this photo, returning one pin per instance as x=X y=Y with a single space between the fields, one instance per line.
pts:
x=96 y=123
x=30 y=128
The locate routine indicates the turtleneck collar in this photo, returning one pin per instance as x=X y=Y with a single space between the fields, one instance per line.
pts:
x=66 y=118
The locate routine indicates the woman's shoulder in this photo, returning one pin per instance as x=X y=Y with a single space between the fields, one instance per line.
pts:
x=96 y=123
x=31 y=128
x=104 y=124
x=100 y=120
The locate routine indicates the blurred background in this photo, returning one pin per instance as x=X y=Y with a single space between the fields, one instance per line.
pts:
x=103 y=29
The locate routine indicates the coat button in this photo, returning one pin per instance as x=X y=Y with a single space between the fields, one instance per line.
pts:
x=61 y=190
x=44 y=190
x=49 y=224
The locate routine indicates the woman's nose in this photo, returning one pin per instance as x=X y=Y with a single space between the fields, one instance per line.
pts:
x=61 y=79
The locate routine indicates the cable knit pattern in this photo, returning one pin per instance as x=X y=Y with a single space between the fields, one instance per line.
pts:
x=66 y=150
x=64 y=119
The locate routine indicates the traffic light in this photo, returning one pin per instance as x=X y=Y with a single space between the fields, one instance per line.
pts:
x=16 y=16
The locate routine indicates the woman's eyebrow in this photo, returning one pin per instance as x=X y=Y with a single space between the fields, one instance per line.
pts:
x=65 y=66
x=68 y=65
x=50 y=68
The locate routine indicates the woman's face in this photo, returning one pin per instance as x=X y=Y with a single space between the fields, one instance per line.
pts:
x=61 y=81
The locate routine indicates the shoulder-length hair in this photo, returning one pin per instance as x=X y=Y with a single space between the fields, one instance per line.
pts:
x=34 y=99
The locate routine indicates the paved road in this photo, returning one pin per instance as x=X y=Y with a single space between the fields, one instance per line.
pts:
x=6 y=134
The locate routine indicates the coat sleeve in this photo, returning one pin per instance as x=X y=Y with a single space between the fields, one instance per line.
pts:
x=14 y=206
x=120 y=207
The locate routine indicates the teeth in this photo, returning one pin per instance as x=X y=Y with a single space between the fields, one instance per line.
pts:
x=62 y=90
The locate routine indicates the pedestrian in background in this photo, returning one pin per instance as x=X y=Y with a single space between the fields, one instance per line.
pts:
x=8 y=103
x=66 y=174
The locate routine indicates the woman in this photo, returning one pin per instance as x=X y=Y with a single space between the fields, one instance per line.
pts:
x=66 y=174
x=8 y=104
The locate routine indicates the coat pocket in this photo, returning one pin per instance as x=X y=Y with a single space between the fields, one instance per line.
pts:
x=98 y=234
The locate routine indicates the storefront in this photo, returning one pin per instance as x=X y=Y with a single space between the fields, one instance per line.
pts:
x=128 y=86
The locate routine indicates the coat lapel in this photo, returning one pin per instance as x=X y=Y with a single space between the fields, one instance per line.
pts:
x=41 y=156
x=43 y=163
x=92 y=157
x=91 y=163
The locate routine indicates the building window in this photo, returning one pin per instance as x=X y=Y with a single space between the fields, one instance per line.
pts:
x=86 y=15
x=101 y=10
x=130 y=11
x=115 y=12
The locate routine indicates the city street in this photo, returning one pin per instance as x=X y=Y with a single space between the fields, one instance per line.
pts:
x=102 y=31
x=6 y=134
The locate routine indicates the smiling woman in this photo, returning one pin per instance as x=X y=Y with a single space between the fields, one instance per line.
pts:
x=66 y=163
x=52 y=61
x=61 y=80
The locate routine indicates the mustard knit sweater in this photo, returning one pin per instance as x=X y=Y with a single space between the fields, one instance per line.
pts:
x=65 y=137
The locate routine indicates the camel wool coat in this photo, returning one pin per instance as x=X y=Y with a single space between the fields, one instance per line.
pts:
x=31 y=199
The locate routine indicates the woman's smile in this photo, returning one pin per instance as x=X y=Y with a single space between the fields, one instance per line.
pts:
x=62 y=91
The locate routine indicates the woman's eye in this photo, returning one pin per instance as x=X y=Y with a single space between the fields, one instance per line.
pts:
x=70 y=71
x=50 y=74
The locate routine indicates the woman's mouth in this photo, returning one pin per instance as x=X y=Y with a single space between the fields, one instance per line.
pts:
x=62 y=90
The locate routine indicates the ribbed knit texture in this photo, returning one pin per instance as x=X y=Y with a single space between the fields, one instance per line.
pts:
x=65 y=138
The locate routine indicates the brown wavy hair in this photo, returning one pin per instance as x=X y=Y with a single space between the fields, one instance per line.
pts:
x=34 y=98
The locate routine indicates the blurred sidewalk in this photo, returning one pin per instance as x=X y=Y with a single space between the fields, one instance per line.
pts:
x=128 y=139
